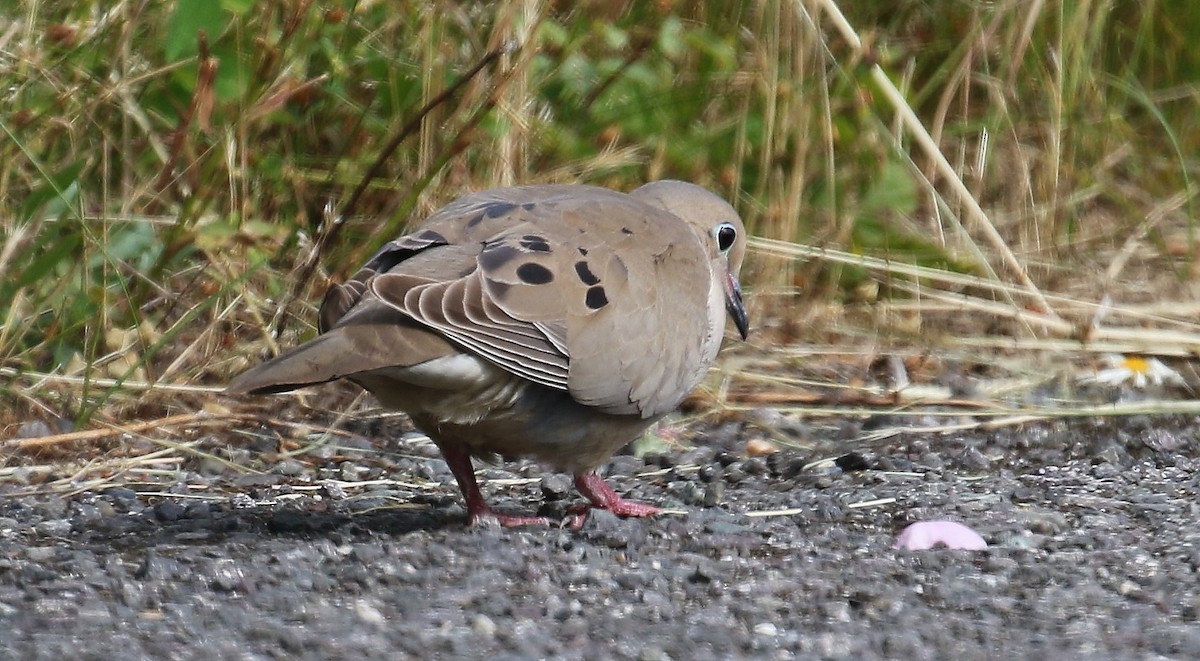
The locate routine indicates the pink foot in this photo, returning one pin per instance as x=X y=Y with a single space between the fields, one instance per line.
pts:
x=595 y=489
x=459 y=460
x=592 y=486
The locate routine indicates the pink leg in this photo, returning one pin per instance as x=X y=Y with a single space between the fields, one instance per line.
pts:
x=595 y=489
x=459 y=460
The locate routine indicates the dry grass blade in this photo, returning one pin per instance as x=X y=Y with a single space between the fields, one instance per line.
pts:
x=916 y=128
x=895 y=267
x=1137 y=340
x=202 y=419
x=1090 y=335
x=103 y=382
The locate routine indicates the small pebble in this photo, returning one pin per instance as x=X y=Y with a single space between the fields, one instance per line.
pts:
x=852 y=461
x=693 y=494
x=758 y=447
x=168 y=511
x=555 y=486
x=40 y=553
x=483 y=625
x=368 y=613
x=211 y=466
x=367 y=553
x=766 y=629
x=709 y=473
x=333 y=490
x=53 y=528
x=755 y=466
x=290 y=466
x=197 y=511
x=714 y=494
x=34 y=429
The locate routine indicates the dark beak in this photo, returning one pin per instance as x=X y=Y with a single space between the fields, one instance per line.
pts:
x=734 y=305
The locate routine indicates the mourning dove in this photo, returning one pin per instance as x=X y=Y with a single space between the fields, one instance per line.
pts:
x=552 y=321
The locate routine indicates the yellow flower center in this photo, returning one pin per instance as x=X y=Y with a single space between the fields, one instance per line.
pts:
x=1137 y=365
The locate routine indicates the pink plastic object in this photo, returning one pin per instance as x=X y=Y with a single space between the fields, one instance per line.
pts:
x=924 y=535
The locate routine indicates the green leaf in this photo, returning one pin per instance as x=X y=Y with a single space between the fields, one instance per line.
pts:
x=237 y=7
x=55 y=195
x=136 y=244
x=48 y=252
x=233 y=74
x=614 y=37
x=892 y=191
x=552 y=34
x=188 y=19
x=216 y=236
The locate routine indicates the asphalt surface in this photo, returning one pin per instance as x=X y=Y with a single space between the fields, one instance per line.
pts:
x=360 y=551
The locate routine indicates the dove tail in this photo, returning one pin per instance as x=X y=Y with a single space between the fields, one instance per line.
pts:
x=311 y=363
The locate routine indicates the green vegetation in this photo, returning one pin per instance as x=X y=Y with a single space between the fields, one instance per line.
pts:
x=171 y=172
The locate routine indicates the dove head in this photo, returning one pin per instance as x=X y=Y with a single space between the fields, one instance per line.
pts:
x=714 y=219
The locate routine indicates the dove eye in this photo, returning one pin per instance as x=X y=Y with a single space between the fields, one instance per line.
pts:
x=725 y=234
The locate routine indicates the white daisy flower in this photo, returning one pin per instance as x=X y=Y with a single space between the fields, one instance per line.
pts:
x=1137 y=370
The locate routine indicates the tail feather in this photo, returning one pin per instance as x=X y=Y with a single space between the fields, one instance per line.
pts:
x=309 y=364
x=374 y=338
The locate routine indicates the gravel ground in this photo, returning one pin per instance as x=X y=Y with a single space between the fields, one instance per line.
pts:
x=1091 y=526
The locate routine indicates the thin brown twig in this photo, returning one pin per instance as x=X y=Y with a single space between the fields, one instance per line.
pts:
x=594 y=94
x=411 y=127
x=25 y=444
x=197 y=110
x=333 y=227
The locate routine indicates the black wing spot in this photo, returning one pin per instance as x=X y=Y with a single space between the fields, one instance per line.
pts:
x=496 y=255
x=585 y=274
x=583 y=251
x=534 y=274
x=528 y=206
x=497 y=209
x=475 y=220
x=596 y=298
x=388 y=257
x=626 y=230
x=535 y=243
x=432 y=236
